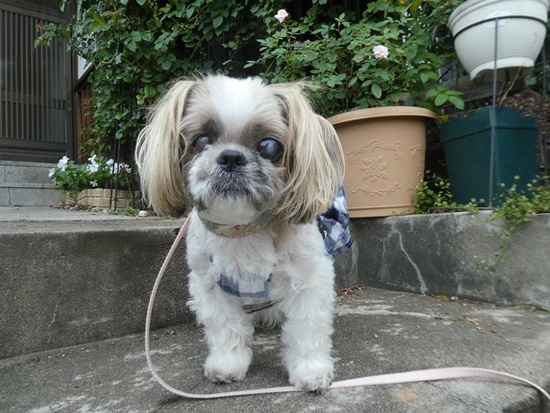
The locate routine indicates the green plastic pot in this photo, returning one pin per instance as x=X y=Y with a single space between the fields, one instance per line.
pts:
x=467 y=146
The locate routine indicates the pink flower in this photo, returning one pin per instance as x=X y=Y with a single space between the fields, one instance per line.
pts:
x=281 y=15
x=380 y=52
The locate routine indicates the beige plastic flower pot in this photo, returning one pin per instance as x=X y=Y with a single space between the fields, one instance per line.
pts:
x=385 y=150
x=520 y=29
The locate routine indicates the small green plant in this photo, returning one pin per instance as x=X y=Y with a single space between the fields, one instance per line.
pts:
x=98 y=173
x=434 y=195
x=516 y=207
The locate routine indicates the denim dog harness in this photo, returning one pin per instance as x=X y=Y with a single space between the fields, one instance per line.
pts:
x=248 y=288
x=334 y=226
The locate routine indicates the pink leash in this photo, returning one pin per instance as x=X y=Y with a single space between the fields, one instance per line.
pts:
x=406 y=377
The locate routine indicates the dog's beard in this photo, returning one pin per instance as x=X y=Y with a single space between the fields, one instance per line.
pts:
x=235 y=197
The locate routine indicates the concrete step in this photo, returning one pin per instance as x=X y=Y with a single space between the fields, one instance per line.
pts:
x=25 y=172
x=376 y=332
x=70 y=277
x=27 y=184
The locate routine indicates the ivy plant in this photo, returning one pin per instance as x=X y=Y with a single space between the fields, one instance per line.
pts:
x=138 y=47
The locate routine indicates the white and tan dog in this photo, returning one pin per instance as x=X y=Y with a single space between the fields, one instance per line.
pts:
x=258 y=167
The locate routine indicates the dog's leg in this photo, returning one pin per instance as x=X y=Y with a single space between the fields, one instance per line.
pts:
x=307 y=333
x=228 y=330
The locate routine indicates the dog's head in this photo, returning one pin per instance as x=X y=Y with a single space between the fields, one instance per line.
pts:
x=236 y=148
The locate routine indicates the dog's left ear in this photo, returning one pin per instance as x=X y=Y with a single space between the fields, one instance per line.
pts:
x=160 y=149
x=314 y=160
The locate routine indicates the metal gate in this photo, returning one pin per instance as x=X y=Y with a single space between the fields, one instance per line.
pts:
x=35 y=84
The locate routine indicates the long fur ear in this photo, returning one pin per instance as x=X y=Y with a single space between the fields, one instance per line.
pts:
x=314 y=159
x=160 y=150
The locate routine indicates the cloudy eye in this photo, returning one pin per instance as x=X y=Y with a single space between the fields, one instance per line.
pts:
x=200 y=143
x=270 y=149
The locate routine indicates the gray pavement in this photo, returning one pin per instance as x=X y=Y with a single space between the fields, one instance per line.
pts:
x=85 y=279
x=376 y=331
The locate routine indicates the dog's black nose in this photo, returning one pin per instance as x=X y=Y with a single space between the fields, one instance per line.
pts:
x=231 y=159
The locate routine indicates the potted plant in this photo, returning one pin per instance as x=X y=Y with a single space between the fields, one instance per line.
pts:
x=495 y=145
x=93 y=184
x=508 y=34
x=486 y=148
x=384 y=62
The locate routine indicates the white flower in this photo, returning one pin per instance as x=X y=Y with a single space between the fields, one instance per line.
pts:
x=51 y=172
x=62 y=164
x=93 y=167
x=94 y=183
x=380 y=52
x=281 y=15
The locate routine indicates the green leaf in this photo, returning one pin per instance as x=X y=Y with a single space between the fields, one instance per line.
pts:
x=431 y=93
x=358 y=58
x=415 y=5
x=150 y=91
x=131 y=45
x=376 y=91
x=99 y=19
x=457 y=102
x=441 y=100
x=141 y=2
x=217 y=22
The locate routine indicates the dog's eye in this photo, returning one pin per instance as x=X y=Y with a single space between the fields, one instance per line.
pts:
x=270 y=149
x=200 y=143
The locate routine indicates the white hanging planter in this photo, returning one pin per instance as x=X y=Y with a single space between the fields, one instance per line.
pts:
x=520 y=27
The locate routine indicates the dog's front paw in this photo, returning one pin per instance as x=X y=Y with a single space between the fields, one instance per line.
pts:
x=226 y=367
x=313 y=376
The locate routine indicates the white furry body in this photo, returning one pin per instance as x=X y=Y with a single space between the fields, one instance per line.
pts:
x=301 y=286
x=233 y=150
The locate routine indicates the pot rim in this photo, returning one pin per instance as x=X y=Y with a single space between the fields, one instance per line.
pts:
x=470 y=6
x=373 y=113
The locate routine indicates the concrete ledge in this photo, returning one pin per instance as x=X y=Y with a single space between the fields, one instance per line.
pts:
x=27 y=184
x=435 y=254
x=18 y=194
x=25 y=172
x=65 y=281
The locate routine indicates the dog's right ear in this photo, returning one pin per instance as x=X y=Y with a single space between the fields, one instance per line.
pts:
x=160 y=150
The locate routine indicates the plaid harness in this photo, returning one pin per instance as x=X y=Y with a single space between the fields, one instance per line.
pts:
x=333 y=225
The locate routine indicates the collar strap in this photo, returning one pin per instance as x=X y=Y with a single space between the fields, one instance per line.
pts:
x=241 y=230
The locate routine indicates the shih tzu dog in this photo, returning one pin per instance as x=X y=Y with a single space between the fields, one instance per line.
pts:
x=258 y=168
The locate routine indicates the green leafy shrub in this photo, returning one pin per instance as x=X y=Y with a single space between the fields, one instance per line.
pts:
x=388 y=55
x=98 y=173
x=138 y=47
x=433 y=195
